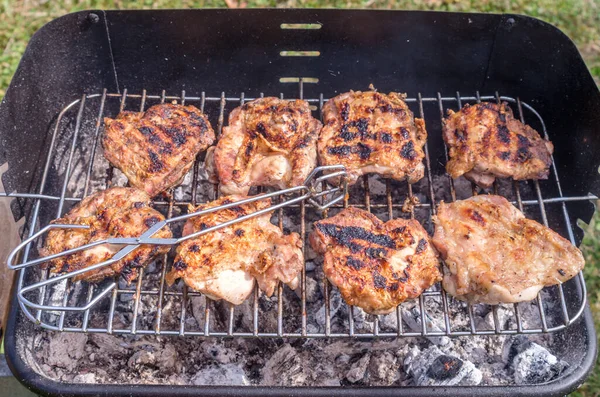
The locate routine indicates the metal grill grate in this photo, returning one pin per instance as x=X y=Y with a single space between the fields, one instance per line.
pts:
x=79 y=126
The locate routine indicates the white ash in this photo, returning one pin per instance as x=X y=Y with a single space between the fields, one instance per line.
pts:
x=223 y=375
x=532 y=363
x=431 y=367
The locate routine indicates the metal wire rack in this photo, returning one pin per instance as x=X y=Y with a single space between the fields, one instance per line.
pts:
x=121 y=309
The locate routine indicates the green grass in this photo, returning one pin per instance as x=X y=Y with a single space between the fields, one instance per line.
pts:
x=579 y=19
x=591 y=251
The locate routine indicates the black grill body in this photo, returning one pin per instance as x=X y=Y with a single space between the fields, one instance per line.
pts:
x=239 y=51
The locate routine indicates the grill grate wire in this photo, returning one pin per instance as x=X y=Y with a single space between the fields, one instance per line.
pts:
x=426 y=318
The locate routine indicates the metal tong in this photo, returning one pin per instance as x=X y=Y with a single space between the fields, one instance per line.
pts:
x=312 y=190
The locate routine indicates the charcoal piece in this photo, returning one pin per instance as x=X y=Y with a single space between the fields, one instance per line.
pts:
x=432 y=367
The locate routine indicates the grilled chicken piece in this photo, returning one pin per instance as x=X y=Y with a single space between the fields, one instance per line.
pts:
x=269 y=142
x=372 y=132
x=156 y=148
x=485 y=141
x=224 y=264
x=115 y=212
x=375 y=265
x=494 y=254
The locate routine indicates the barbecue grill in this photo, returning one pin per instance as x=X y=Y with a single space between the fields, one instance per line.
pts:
x=98 y=63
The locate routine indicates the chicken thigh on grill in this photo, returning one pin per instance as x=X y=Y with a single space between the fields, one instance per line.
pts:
x=268 y=142
x=156 y=148
x=493 y=254
x=485 y=141
x=370 y=132
x=375 y=265
x=223 y=264
x=115 y=212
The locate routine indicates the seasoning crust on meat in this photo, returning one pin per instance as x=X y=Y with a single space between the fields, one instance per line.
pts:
x=485 y=141
x=370 y=132
x=268 y=142
x=156 y=148
x=115 y=212
x=493 y=254
x=375 y=265
x=224 y=264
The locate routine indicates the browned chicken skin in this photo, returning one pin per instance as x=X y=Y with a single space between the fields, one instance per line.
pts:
x=156 y=148
x=268 y=142
x=485 y=141
x=375 y=265
x=224 y=264
x=370 y=132
x=493 y=254
x=115 y=212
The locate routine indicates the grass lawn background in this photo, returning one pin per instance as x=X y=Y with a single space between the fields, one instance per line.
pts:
x=579 y=19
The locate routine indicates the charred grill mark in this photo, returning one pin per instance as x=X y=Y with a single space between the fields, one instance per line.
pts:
x=178 y=136
x=238 y=210
x=194 y=248
x=345 y=134
x=376 y=253
x=249 y=148
x=393 y=287
x=198 y=120
x=362 y=128
x=354 y=247
x=145 y=130
x=136 y=262
x=138 y=204
x=155 y=140
x=459 y=135
x=156 y=164
x=504 y=155
x=523 y=154
x=421 y=246
x=362 y=125
x=399 y=230
x=404 y=132
x=302 y=143
x=261 y=129
x=239 y=232
x=406 y=276
x=345 y=111
x=476 y=216
x=386 y=137
x=343 y=150
x=523 y=141
x=562 y=272
x=408 y=151
x=203 y=226
x=355 y=263
x=378 y=280
x=153 y=220
x=364 y=151
x=345 y=234
x=180 y=265
x=126 y=271
x=503 y=134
